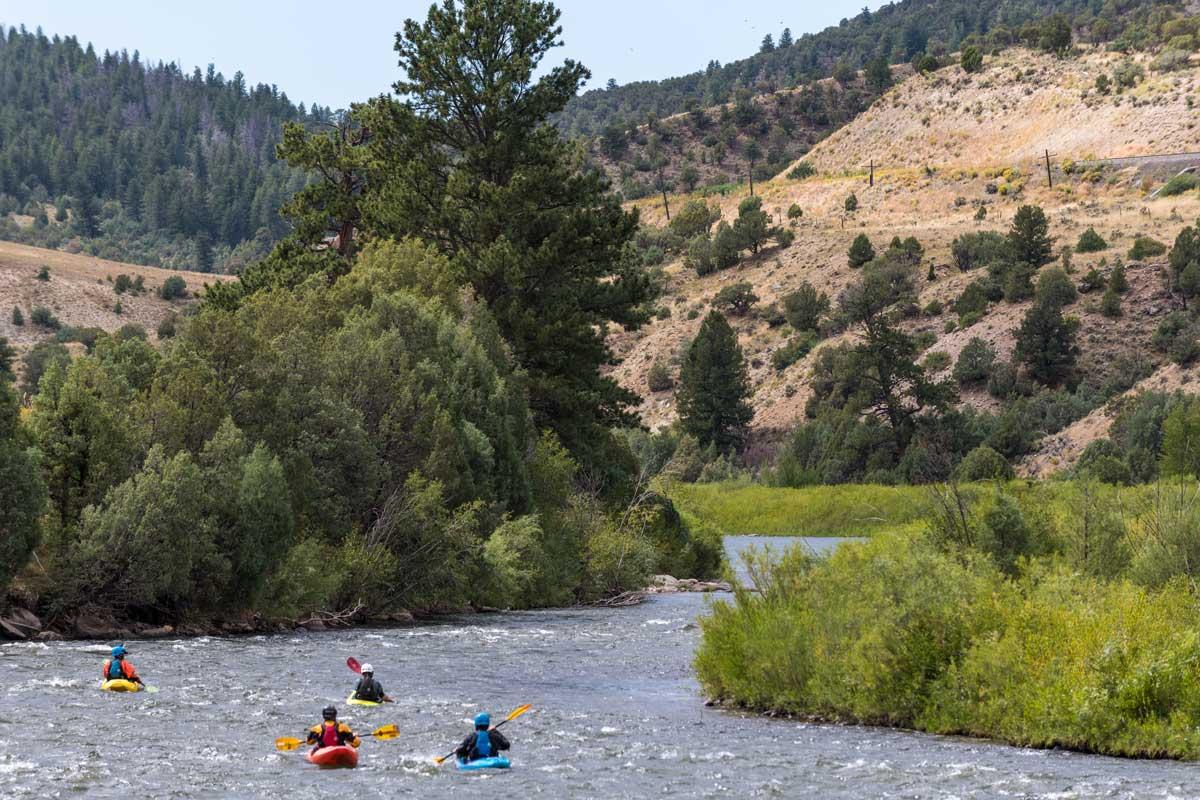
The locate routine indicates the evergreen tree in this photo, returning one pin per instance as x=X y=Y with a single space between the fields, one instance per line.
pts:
x=768 y=44
x=972 y=59
x=1046 y=343
x=878 y=74
x=1030 y=237
x=785 y=39
x=861 y=251
x=714 y=387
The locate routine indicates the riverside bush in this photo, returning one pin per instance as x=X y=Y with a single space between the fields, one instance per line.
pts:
x=896 y=631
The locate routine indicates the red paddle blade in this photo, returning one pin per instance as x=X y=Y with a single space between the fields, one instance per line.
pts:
x=352 y=663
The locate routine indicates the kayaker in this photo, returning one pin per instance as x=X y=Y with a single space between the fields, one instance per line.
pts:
x=482 y=742
x=118 y=669
x=330 y=732
x=370 y=689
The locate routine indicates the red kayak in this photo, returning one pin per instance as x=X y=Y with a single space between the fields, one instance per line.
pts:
x=334 y=757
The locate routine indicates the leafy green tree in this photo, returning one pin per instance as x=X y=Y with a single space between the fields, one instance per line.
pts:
x=972 y=59
x=805 y=307
x=1030 y=237
x=85 y=434
x=851 y=203
x=1110 y=304
x=753 y=227
x=983 y=464
x=22 y=493
x=1055 y=34
x=736 y=299
x=1046 y=343
x=861 y=251
x=1185 y=255
x=1181 y=441
x=556 y=278
x=714 y=387
x=37 y=362
x=878 y=74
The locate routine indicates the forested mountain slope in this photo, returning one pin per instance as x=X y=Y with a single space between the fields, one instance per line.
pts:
x=138 y=162
x=898 y=32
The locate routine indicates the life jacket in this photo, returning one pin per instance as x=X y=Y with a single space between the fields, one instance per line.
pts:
x=368 y=689
x=114 y=670
x=483 y=745
x=330 y=735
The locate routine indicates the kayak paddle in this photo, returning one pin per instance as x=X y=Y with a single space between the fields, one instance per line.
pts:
x=516 y=712
x=291 y=742
x=354 y=666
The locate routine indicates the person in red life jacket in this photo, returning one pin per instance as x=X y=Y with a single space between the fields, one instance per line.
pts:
x=330 y=732
x=370 y=689
x=118 y=669
x=482 y=743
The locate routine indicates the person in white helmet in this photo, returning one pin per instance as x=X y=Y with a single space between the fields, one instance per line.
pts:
x=370 y=689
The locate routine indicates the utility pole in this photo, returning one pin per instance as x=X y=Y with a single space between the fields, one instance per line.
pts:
x=872 y=172
x=1049 y=177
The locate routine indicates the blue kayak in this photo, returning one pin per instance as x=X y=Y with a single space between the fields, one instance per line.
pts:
x=495 y=762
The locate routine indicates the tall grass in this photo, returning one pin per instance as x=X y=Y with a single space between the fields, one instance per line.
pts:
x=848 y=510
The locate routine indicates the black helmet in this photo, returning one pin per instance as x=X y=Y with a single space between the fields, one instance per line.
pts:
x=329 y=712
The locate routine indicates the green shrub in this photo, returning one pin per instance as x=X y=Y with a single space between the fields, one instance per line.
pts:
x=805 y=307
x=42 y=317
x=1183 y=182
x=172 y=288
x=1110 y=304
x=1092 y=281
x=796 y=348
x=936 y=361
x=1054 y=286
x=122 y=284
x=934 y=308
x=983 y=464
x=851 y=203
x=658 y=378
x=795 y=211
x=18 y=319
x=1090 y=242
x=1176 y=336
x=43 y=274
x=801 y=171
x=973 y=299
x=1117 y=281
x=975 y=362
x=1145 y=247
x=972 y=59
x=971 y=250
x=166 y=328
x=861 y=252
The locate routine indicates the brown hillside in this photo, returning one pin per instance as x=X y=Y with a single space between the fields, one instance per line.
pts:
x=79 y=292
x=990 y=163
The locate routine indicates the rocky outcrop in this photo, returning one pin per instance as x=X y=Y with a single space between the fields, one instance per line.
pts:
x=666 y=584
x=19 y=623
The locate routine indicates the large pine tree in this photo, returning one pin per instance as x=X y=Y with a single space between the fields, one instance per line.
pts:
x=714 y=387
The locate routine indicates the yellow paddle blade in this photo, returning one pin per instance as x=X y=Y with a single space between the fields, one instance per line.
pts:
x=287 y=743
x=386 y=732
x=441 y=759
x=516 y=712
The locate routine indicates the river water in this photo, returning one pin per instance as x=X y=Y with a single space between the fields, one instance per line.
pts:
x=617 y=714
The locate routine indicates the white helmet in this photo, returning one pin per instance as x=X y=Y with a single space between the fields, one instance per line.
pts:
x=368 y=668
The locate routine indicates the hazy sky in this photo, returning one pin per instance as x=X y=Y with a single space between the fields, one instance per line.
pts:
x=337 y=52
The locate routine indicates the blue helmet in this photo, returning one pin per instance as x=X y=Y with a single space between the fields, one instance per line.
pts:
x=483 y=720
x=118 y=651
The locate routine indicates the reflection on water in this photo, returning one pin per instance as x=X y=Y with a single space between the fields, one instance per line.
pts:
x=617 y=714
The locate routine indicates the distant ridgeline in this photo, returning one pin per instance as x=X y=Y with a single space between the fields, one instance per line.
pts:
x=898 y=32
x=139 y=162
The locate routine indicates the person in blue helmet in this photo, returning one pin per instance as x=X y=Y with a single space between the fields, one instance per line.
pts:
x=482 y=742
x=117 y=668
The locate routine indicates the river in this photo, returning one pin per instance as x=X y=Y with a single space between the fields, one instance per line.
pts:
x=617 y=714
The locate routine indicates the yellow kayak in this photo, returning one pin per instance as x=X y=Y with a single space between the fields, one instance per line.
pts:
x=353 y=701
x=121 y=685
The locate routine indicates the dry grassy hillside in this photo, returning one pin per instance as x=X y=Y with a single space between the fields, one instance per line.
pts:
x=984 y=159
x=79 y=292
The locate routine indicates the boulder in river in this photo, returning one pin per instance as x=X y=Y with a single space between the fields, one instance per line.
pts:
x=20 y=623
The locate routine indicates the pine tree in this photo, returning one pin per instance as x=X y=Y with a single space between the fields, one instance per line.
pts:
x=714 y=387
x=785 y=39
x=1030 y=238
x=1046 y=343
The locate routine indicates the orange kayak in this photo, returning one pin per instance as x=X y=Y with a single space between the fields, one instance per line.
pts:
x=334 y=757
